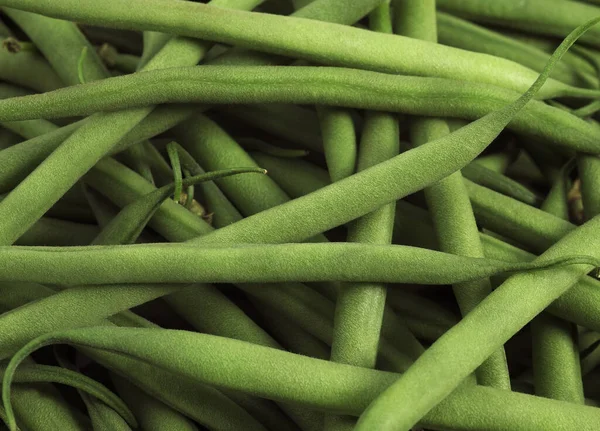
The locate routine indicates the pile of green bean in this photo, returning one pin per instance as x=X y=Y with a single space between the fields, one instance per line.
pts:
x=303 y=215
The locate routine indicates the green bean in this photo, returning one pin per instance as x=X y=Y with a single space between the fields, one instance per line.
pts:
x=497 y=162
x=55 y=232
x=463 y=144
x=123 y=186
x=215 y=150
x=292 y=336
x=359 y=310
x=295 y=124
x=500 y=183
x=416 y=306
x=448 y=200
x=219 y=413
x=354 y=262
x=21 y=160
x=114 y=59
x=127 y=226
x=553 y=18
x=49 y=35
x=462 y=34
x=556 y=365
x=480 y=328
x=577 y=305
x=339 y=141
x=221 y=84
x=325 y=385
x=322 y=42
x=274 y=150
x=34 y=373
x=529 y=226
x=279 y=169
x=29 y=69
x=151 y=414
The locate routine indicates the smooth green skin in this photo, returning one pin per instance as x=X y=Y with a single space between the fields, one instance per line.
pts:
x=39 y=192
x=71 y=308
x=127 y=226
x=151 y=413
x=552 y=18
x=295 y=124
x=457 y=32
x=416 y=306
x=29 y=69
x=61 y=43
x=209 y=311
x=447 y=199
x=339 y=141
x=294 y=185
x=255 y=144
x=203 y=404
x=292 y=336
x=556 y=201
x=335 y=45
x=27 y=129
x=39 y=406
x=556 y=363
x=251 y=263
x=306 y=85
x=320 y=384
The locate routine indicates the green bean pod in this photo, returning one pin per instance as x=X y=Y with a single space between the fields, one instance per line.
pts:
x=371 y=90
x=325 y=385
x=337 y=45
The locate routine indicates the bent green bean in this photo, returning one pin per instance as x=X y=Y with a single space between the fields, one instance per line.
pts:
x=334 y=44
x=252 y=263
x=252 y=84
x=337 y=388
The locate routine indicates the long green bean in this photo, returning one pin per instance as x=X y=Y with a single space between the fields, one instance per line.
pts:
x=322 y=42
x=221 y=84
x=326 y=385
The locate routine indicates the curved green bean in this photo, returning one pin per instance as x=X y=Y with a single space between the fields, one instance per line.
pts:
x=463 y=34
x=371 y=90
x=61 y=42
x=242 y=263
x=339 y=141
x=325 y=385
x=553 y=17
x=29 y=69
x=334 y=44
